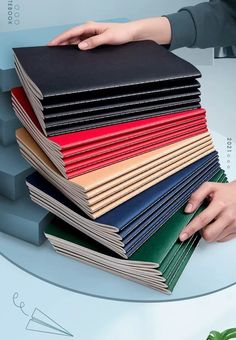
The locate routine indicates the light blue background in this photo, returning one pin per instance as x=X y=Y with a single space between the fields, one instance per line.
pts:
x=91 y=318
x=44 y=13
x=49 y=14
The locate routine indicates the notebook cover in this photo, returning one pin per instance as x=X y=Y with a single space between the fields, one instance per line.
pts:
x=104 y=154
x=86 y=125
x=155 y=281
x=91 y=164
x=77 y=71
x=166 y=165
x=113 y=132
x=95 y=164
x=134 y=137
x=181 y=253
x=93 y=180
x=127 y=188
x=93 y=167
x=174 y=279
x=162 y=263
x=166 y=256
x=167 y=200
x=39 y=182
x=52 y=126
x=104 y=201
x=99 y=177
x=148 y=215
x=129 y=210
x=179 y=87
x=156 y=250
x=140 y=142
x=100 y=162
x=100 y=205
x=139 y=236
x=91 y=108
x=132 y=209
x=113 y=114
x=165 y=263
x=173 y=270
x=149 y=252
x=145 y=135
x=78 y=197
x=174 y=257
x=143 y=231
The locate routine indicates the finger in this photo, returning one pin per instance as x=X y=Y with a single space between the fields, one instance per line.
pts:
x=202 y=220
x=72 y=33
x=230 y=229
x=95 y=41
x=74 y=41
x=213 y=231
x=199 y=196
x=227 y=238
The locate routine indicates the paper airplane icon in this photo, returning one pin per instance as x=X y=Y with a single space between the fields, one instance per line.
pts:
x=40 y=322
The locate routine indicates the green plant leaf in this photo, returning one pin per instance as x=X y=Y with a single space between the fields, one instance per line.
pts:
x=214 y=335
x=229 y=334
x=226 y=335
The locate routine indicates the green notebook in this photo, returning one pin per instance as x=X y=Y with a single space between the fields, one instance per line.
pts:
x=158 y=263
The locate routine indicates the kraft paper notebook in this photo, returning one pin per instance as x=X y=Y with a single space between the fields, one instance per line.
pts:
x=158 y=263
x=102 y=190
x=78 y=153
x=125 y=228
x=61 y=93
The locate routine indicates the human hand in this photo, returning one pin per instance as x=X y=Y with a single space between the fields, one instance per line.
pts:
x=93 y=34
x=218 y=221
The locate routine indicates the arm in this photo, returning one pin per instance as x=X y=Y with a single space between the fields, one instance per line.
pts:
x=93 y=34
x=208 y=24
x=204 y=25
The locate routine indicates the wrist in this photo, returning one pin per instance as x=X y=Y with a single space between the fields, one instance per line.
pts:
x=156 y=29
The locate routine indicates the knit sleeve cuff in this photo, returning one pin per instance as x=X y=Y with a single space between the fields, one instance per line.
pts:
x=183 y=31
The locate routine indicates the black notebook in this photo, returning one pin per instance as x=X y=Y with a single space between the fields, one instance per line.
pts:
x=64 y=70
x=71 y=89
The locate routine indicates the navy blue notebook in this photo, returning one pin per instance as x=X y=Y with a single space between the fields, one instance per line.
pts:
x=138 y=218
x=137 y=205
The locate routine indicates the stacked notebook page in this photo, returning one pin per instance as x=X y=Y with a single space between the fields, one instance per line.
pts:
x=119 y=142
x=102 y=190
x=72 y=90
x=127 y=227
x=80 y=152
x=158 y=263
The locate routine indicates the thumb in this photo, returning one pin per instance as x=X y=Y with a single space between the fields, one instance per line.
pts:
x=94 y=41
x=199 y=196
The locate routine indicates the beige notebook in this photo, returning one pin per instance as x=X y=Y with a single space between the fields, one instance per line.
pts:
x=100 y=191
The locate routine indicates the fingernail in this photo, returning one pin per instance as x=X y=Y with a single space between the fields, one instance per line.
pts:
x=83 y=45
x=188 y=208
x=183 y=237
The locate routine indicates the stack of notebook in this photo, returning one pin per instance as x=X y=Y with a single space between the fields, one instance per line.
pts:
x=119 y=142
x=73 y=91
x=157 y=264
x=80 y=152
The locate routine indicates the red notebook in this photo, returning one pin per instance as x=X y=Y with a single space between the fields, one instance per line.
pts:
x=80 y=152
